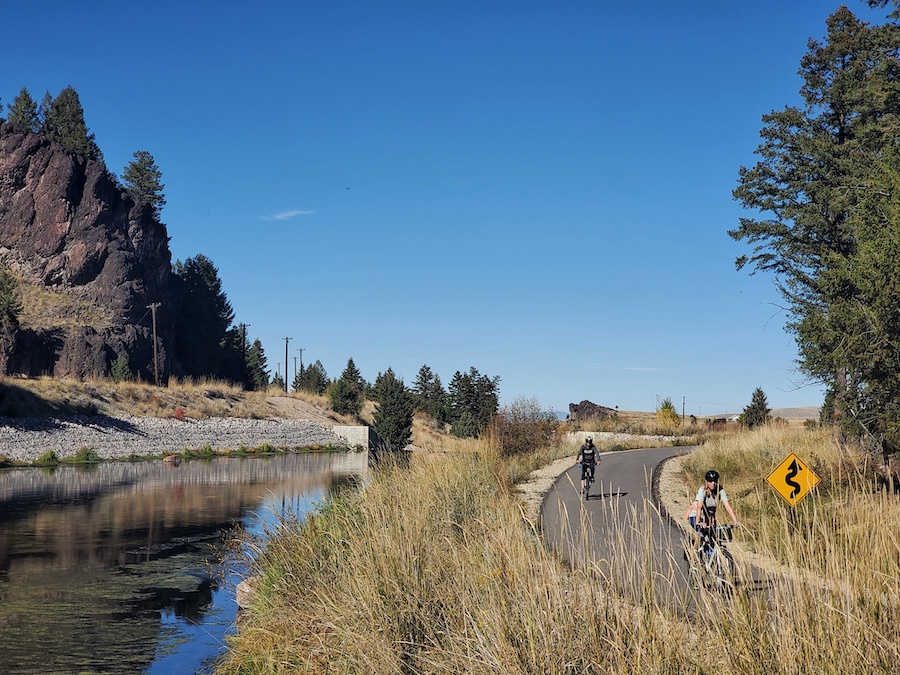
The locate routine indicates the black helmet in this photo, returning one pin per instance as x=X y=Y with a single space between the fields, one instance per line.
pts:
x=589 y=439
x=712 y=476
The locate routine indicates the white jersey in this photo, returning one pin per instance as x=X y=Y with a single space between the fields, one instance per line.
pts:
x=709 y=502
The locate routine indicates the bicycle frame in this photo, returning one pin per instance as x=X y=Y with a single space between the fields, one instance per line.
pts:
x=716 y=566
x=587 y=472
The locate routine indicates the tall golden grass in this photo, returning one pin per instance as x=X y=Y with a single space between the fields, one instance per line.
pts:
x=433 y=569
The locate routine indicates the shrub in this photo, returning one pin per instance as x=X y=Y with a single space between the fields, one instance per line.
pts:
x=667 y=415
x=87 y=456
x=120 y=372
x=49 y=457
x=523 y=426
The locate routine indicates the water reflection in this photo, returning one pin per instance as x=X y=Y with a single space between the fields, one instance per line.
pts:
x=122 y=568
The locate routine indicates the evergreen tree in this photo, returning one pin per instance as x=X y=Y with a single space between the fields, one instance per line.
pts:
x=346 y=399
x=257 y=367
x=756 y=414
x=393 y=413
x=382 y=381
x=429 y=395
x=312 y=379
x=143 y=181
x=64 y=124
x=347 y=392
x=23 y=111
x=44 y=112
x=352 y=375
x=234 y=357
x=203 y=319
x=10 y=303
x=278 y=381
x=812 y=183
x=119 y=371
x=472 y=399
x=421 y=386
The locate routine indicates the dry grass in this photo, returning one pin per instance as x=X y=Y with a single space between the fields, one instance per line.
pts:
x=193 y=399
x=431 y=571
x=434 y=570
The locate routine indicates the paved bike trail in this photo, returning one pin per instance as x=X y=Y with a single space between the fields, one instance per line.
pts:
x=619 y=531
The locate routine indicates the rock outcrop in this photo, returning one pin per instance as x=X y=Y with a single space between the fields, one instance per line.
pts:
x=68 y=229
x=588 y=411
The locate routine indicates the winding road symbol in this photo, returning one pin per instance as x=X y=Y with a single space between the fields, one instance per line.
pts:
x=793 y=470
x=792 y=479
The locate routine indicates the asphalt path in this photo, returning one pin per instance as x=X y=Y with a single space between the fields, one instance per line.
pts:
x=620 y=532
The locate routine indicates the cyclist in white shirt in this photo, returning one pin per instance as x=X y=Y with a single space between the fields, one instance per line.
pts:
x=702 y=512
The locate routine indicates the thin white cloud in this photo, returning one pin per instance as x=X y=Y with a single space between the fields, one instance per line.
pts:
x=286 y=215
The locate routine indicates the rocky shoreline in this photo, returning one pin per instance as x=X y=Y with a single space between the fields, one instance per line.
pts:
x=25 y=440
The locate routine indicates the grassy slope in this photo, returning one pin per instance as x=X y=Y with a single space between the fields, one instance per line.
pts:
x=434 y=570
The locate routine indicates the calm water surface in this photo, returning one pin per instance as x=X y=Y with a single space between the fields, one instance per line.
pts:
x=124 y=568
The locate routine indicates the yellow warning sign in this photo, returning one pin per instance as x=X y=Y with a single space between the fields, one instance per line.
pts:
x=792 y=479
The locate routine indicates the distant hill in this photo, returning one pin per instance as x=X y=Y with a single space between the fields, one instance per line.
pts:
x=802 y=413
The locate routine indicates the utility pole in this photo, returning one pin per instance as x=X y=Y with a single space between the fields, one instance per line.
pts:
x=295 y=367
x=300 y=349
x=286 y=340
x=153 y=306
x=682 y=410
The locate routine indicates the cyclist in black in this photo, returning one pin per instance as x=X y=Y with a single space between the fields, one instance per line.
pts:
x=587 y=458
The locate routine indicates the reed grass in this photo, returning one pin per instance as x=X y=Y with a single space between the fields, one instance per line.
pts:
x=433 y=569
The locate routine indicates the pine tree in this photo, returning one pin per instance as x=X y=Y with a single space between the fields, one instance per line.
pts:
x=143 y=181
x=811 y=187
x=64 y=124
x=257 y=367
x=203 y=319
x=393 y=413
x=423 y=382
x=346 y=399
x=472 y=399
x=24 y=112
x=312 y=378
x=756 y=414
x=382 y=381
x=10 y=303
x=44 y=112
x=119 y=371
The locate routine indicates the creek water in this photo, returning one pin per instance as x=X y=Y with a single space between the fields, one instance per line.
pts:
x=130 y=567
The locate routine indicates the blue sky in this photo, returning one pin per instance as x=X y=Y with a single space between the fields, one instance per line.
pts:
x=539 y=190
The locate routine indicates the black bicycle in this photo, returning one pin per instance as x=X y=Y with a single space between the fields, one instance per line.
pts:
x=587 y=475
x=711 y=564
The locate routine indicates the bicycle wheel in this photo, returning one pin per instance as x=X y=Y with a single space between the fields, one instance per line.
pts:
x=723 y=570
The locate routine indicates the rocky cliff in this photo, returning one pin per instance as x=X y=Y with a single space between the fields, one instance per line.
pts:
x=90 y=259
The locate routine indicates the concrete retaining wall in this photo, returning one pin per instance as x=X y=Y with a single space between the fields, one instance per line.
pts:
x=358 y=436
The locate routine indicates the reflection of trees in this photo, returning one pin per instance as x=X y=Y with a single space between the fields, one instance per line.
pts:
x=125 y=512
x=92 y=559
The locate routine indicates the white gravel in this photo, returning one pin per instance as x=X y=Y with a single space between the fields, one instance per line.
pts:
x=121 y=437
